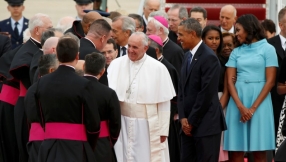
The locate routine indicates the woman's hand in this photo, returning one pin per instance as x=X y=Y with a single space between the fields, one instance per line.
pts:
x=246 y=114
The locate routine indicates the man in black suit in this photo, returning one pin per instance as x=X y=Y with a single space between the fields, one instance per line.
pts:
x=5 y=44
x=279 y=43
x=108 y=108
x=95 y=41
x=149 y=6
x=172 y=52
x=81 y=27
x=199 y=108
x=73 y=112
x=20 y=70
x=16 y=24
x=122 y=28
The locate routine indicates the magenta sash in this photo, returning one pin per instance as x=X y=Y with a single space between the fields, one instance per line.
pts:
x=65 y=131
x=36 y=132
x=104 y=129
x=23 y=90
x=9 y=94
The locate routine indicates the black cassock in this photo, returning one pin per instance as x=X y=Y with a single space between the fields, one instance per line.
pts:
x=174 y=128
x=110 y=116
x=87 y=47
x=76 y=29
x=20 y=69
x=70 y=117
x=173 y=53
x=34 y=72
x=8 y=99
x=36 y=132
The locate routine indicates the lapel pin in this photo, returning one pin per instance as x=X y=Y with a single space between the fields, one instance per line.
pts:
x=195 y=59
x=26 y=23
x=8 y=22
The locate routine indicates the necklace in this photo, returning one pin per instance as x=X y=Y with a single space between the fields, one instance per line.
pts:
x=130 y=83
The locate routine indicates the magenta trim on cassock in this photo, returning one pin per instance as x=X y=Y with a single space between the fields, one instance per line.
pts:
x=23 y=90
x=9 y=94
x=36 y=132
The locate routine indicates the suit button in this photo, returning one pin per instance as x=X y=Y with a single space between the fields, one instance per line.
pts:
x=17 y=42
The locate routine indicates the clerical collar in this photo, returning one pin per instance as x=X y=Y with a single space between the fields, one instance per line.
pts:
x=141 y=60
x=90 y=41
x=160 y=58
x=230 y=31
x=90 y=76
x=68 y=66
x=165 y=41
x=37 y=43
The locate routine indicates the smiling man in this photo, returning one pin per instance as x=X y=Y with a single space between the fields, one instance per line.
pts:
x=144 y=102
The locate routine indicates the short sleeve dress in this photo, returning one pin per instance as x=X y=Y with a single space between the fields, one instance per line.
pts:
x=256 y=134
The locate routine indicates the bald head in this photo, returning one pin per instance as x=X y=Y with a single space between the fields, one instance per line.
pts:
x=65 y=23
x=88 y=19
x=50 y=45
x=227 y=17
x=150 y=6
x=79 y=67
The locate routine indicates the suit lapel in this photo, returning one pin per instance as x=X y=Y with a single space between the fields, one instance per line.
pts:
x=280 y=51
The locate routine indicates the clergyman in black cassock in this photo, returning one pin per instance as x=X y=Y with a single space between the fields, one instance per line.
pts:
x=69 y=112
x=108 y=108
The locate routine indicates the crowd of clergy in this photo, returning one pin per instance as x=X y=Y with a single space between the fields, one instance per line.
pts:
x=157 y=87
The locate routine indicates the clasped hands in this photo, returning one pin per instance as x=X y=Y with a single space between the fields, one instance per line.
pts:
x=186 y=127
x=246 y=114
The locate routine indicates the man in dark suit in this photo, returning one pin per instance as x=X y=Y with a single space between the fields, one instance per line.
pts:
x=108 y=108
x=149 y=6
x=20 y=70
x=5 y=44
x=16 y=24
x=199 y=108
x=95 y=41
x=278 y=42
x=172 y=52
x=122 y=28
x=81 y=27
x=73 y=112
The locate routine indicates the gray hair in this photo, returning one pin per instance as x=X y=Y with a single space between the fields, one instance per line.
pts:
x=37 y=20
x=71 y=35
x=145 y=2
x=155 y=45
x=143 y=36
x=47 y=34
x=65 y=23
x=229 y=5
x=50 y=43
x=127 y=23
x=158 y=25
x=26 y=35
x=183 y=12
x=192 y=24
x=159 y=13
x=46 y=62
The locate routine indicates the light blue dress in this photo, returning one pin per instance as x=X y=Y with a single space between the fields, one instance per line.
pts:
x=257 y=134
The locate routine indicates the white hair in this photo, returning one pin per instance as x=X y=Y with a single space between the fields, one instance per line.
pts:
x=65 y=23
x=159 y=13
x=37 y=20
x=144 y=37
x=49 y=44
x=108 y=20
x=158 y=25
x=26 y=35
x=145 y=2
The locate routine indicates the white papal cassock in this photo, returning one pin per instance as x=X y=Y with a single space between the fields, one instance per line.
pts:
x=144 y=89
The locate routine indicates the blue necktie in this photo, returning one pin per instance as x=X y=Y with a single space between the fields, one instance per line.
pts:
x=189 y=62
x=123 y=51
x=16 y=31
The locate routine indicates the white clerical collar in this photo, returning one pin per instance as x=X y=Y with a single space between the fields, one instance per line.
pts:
x=283 y=41
x=145 y=20
x=90 y=41
x=160 y=58
x=90 y=76
x=77 y=18
x=194 y=50
x=21 y=21
x=68 y=66
x=230 y=31
x=35 y=40
x=141 y=60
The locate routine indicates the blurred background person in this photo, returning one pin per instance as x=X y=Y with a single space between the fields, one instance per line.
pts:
x=97 y=4
x=65 y=23
x=26 y=35
x=110 y=51
x=149 y=6
x=139 y=22
x=200 y=14
x=269 y=27
x=16 y=24
x=82 y=5
x=227 y=18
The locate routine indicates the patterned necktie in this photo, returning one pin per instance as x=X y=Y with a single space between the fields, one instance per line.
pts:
x=16 y=32
x=189 y=61
x=123 y=51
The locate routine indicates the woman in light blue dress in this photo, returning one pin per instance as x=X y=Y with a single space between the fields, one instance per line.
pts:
x=249 y=115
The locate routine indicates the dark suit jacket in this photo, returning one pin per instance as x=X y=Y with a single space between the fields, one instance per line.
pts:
x=5 y=44
x=277 y=100
x=109 y=110
x=34 y=66
x=174 y=37
x=74 y=104
x=5 y=26
x=198 y=93
x=150 y=51
x=76 y=29
x=174 y=54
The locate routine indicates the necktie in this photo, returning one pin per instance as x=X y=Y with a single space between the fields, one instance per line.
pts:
x=16 y=32
x=123 y=51
x=189 y=62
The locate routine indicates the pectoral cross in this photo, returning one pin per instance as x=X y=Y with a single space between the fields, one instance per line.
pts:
x=128 y=92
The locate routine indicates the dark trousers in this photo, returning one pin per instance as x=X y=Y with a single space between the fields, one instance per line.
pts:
x=200 y=149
